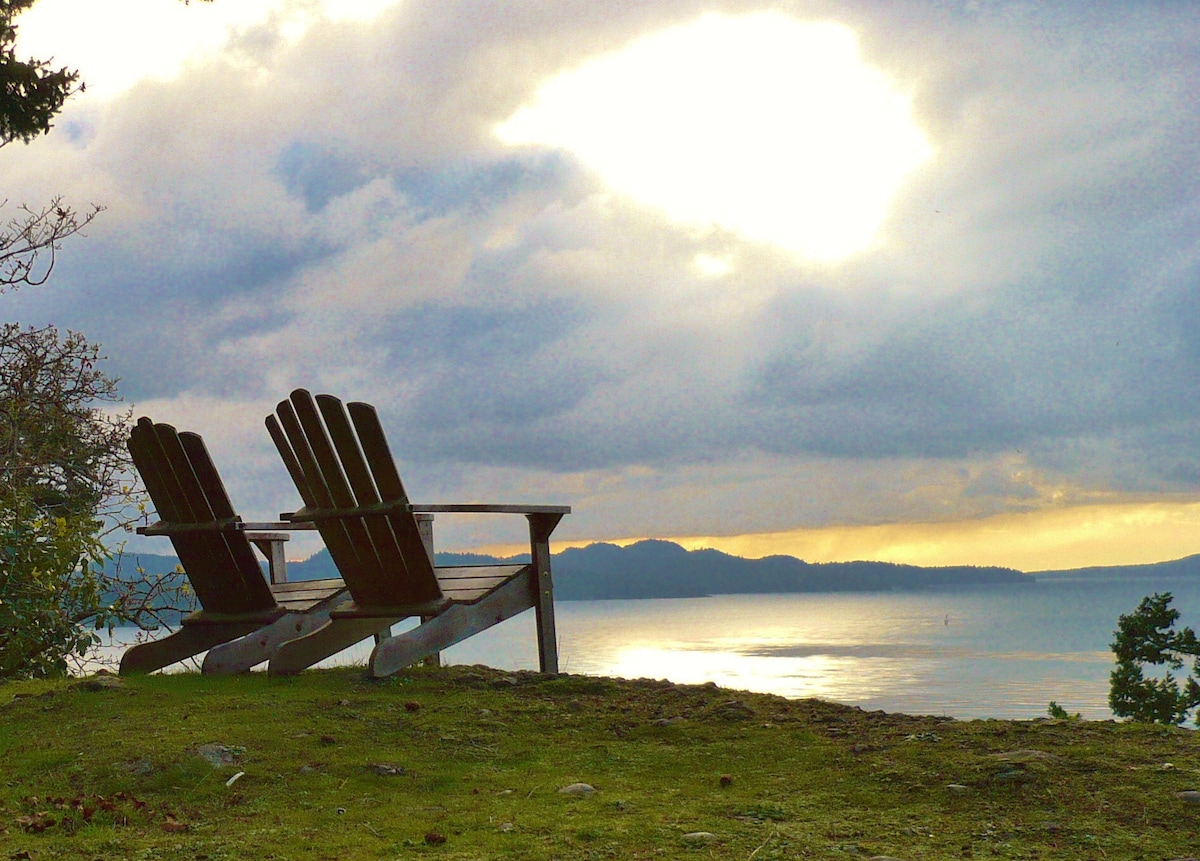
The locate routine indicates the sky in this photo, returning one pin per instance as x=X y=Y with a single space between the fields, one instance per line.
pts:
x=916 y=281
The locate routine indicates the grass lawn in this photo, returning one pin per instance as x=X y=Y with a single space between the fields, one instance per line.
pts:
x=468 y=762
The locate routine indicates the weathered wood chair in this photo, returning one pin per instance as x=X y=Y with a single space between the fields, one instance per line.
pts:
x=339 y=460
x=214 y=546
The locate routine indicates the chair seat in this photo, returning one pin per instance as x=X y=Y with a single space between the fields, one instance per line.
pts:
x=299 y=595
x=466 y=584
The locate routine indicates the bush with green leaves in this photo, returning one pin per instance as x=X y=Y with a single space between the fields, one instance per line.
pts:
x=45 y=588
x=65 y=483
x=1147 y=638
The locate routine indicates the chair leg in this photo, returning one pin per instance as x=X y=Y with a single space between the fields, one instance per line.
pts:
x=335 y=635
x=540 y=527
x=187 y=641
x=239 y=656
x=452 y=626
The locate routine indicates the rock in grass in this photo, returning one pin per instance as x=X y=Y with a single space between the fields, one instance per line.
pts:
x=698 y=838
x=733 y=710
x=579 y=789
x=957 y=789
x=1191 y=796
x=219 y=754
x=667 y=721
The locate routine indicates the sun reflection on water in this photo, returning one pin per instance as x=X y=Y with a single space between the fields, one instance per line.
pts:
x=989 y=652
x=828 y=677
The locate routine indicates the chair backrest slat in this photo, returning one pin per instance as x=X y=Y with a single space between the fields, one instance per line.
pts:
x=179 y=475
x=387 y=549
x=293 y=446
x=151 y=464
x=383 y=467
x=255 y=589
x=354 y=550
x=333 y=471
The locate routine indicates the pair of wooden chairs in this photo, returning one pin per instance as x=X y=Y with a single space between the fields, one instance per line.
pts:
x=339 y=460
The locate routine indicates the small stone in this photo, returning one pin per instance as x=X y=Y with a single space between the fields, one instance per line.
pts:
x=667 y=721
x=504 y=682
x=140 y=766
x=328 y=740
x=725 y=780
x=343 y=703
x=580 y=789
x=957 y=789
x=1191 y=796
x=412 y=706
x=218 y=754
x=733 y=710
x=385 y=769
x=698 y=838
x=505 y=827
x=434 y=838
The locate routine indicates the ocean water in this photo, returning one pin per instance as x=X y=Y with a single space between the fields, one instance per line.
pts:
x=991 y=651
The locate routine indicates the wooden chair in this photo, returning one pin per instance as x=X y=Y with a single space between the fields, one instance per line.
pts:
x=214 y=546
x=339 y=460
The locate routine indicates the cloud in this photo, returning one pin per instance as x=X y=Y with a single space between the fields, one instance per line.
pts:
x=335 y=212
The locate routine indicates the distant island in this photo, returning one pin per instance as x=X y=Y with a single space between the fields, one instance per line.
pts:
x=663 y=569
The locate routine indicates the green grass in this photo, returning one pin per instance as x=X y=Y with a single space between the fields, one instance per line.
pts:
x=465 y=762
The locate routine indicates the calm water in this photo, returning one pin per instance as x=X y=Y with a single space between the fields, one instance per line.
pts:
x=981 y=652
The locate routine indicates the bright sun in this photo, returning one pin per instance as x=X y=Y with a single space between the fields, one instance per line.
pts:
x=761 y=124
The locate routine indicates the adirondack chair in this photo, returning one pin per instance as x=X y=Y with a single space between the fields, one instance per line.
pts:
x=215 y=547
x=339 y=460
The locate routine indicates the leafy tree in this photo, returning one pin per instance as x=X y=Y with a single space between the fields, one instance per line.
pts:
x=1147 y=637
x=63 y=463
x=64 y=488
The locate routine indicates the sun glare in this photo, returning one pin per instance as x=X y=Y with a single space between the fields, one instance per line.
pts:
x=761 y=124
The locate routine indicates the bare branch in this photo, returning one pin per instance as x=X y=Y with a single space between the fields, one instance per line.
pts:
x=29 y=242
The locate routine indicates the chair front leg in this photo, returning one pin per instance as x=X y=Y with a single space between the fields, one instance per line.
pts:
x=540 y=527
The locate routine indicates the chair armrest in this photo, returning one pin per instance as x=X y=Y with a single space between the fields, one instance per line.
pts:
x=277 y=526
x=474 y=508
x=161 y=528
x=308 y=515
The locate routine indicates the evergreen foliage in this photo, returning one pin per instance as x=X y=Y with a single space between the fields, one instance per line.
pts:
x=31 y=91
x=1147 y=638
